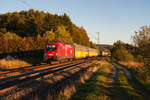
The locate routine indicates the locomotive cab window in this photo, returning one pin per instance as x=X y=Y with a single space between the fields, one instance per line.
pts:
x=51 y=48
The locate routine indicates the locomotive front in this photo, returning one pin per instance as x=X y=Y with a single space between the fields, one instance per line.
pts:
x=50 y=52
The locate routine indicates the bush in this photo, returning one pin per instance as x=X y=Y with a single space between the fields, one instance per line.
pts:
x=120 y=53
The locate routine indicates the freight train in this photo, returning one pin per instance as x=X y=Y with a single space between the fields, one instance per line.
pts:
x=60 y=52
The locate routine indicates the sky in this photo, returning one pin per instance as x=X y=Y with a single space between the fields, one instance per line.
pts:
x=113 y=19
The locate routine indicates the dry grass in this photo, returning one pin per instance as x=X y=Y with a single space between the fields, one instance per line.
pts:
x=12 y=64
x=131 y=64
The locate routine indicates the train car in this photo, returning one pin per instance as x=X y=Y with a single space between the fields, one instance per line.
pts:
x=84 y=52
x=104 y=53
x=58 y=52
x=80 y=51
x=93 y=52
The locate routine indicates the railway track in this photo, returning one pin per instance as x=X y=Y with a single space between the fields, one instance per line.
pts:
x=35 y=74
x=18 y=71
x=28 y=79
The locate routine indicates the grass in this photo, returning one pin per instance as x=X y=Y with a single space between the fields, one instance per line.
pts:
x=96 y=88
x=141 y=82
x=139 y=73
x=12 y=64
x=126 y=88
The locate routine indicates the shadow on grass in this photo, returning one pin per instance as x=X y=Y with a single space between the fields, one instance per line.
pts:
x=94 y=89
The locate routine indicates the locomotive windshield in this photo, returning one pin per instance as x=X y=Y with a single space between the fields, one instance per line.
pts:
x=51 y=48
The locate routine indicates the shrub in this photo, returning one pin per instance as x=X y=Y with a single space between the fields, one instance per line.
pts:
x=120 y=53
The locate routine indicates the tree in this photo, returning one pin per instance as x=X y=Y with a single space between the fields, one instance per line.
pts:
x=33 y=22
x=141 y=40
x=30 y=30
x=49 y=35
x=79 y=35
x=10 y=35
x=1 y=34
x=3 y=30
x=120 y=53
x=63 y=35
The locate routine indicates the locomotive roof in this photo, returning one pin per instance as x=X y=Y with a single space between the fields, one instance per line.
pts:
x=68 y=45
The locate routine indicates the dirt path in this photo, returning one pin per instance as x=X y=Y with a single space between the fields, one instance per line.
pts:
x=137 y=88
x=115 y=90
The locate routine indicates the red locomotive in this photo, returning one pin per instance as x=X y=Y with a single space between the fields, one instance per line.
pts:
x=58 y=52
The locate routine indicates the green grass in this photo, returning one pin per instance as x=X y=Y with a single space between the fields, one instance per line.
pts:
x=140 y=81
x=126 y=88
x=144 y=84
x=95 y=88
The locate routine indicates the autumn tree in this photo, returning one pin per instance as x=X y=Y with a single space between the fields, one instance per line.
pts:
x=31 y=30
x=49 y=35
x=1 y=34
x=79 y=35
x=63 y=35
x=9 y=35
x=33 y=22
x=3 y=30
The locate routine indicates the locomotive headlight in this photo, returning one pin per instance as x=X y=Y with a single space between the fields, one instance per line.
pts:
x=56 y=54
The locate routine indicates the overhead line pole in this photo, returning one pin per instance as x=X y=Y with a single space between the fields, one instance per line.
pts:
x=98 y=39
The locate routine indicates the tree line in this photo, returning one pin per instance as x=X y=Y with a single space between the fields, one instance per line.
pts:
x=32 y=29
x=137 y=51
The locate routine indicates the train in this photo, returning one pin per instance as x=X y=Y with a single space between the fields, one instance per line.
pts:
x=104 y=53
x=61 y=52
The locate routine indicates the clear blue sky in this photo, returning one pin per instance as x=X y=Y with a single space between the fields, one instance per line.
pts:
x=114 y=19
